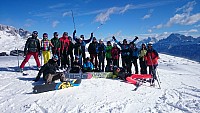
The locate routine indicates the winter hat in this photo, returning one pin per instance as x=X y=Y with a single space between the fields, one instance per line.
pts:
x=55 y=57
x=45 y=34
x=108 y=42
x=55 y=33
x=100 y=40
x=125 y=40
x=35 y=32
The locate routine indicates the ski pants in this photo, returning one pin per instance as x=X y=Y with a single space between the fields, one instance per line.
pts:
x=116 y=62
x=101 y=62
x=109 y=61
x=52 y=77
x=134 y=61
x=28 y=55
x=70 y=53
x=46 y=56
x=143 y=66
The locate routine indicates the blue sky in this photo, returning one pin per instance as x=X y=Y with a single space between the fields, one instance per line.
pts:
x=122 y=18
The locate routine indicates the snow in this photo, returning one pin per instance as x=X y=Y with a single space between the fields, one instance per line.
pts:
x=179 y=82
x=10 y=42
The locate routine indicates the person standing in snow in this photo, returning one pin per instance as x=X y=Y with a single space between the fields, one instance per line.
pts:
x=101 y=49
x=134 y=53
x=115 y=55
x=56 y=46
x=143 y=65
x=108 y=53
x=46 y=47
x=64 y=49
x=70 y=51
x=49 y=71
x=83 y=43
x=32 y=47
x=92 y=51
x=151 y=58
x=124 y=51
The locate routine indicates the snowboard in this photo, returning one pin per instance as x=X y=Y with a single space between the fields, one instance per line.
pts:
x=101 y=74
x=55 y=86
x=78 y=75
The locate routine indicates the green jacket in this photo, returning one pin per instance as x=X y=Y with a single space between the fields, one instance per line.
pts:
x=56 y=42
x=108 y=52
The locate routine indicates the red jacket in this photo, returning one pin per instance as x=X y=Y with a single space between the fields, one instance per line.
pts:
x=151 y=57
x=115 y=51
x=64 y=43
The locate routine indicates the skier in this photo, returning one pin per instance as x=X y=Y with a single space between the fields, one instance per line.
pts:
x=32 y=47
x=152 y=60
x=64 y=49
x=83 y=43
x=49 y=71
x=134 y=53
x=56 y=46
x=70 y=51
x=92 y=51
x=108 y=55
x=115 y=55
x=78 y=50
x=88 y=66
x=46 y=47
x=143 y=65
x=101 y=49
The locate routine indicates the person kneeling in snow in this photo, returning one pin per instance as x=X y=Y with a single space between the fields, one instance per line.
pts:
x=88 y=66
x=49 y=71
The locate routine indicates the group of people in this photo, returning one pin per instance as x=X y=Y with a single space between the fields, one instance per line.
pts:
x=71 y=55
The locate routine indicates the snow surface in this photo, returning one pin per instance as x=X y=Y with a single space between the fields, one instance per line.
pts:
x=179 y=81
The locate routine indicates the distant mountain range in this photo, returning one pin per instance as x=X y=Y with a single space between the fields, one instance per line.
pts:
x=12 y=31
x=180 y=45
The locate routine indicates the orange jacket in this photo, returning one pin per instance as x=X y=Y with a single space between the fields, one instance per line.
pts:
x=151 y=57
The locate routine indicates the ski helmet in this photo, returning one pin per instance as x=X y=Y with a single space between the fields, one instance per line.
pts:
x=55 y=57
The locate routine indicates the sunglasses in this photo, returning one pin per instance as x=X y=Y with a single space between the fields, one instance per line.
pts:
x=45 y=36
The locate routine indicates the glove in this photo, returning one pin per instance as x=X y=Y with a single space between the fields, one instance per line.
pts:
x=114 y=38
x=91 y=34
x=39 y=53
x=136 y=37
x=74 y=32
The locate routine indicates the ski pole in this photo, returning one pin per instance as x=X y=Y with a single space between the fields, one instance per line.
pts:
x=18 y=57
x=73 y=19
x=97 y=28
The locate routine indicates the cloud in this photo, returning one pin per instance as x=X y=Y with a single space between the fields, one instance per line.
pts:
x=185 y=17
x=158 y=26
x=182 y=18
x=59 y=5
x=106 y=13
x=189 y=31
x=148 y=15
x=29 y=22
x=55 y=23
x=67 y=13
x=149 y=30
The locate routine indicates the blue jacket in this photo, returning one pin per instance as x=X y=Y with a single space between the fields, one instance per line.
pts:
x=88 y=66
x=101 y=49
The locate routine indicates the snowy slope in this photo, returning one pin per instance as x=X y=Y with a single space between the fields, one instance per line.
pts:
x=180 y=92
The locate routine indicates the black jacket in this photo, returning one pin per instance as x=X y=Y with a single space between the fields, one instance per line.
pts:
x=49 y=68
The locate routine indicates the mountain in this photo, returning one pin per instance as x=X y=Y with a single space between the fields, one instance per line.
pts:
x=180 y=45
x=12 y=31
x=12 y=38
